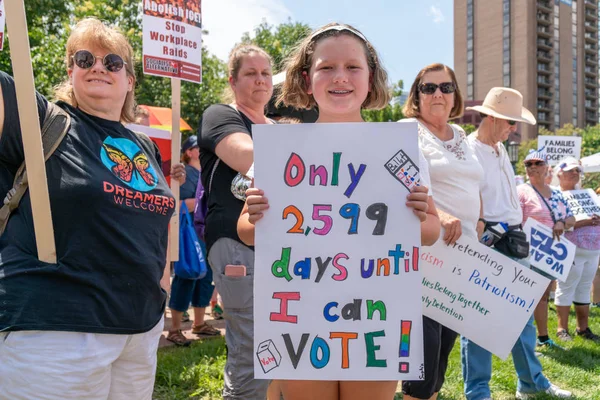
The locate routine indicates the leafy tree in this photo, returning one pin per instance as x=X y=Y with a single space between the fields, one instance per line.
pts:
x=49 y=23
x=154 y=90
x=468 y=128
x=278 y=41
x=590 y=144
x=392 y=112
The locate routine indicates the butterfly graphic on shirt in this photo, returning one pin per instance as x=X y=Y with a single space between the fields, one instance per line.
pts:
x=126 y=167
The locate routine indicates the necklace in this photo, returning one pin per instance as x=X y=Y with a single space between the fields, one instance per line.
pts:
x=456 y=149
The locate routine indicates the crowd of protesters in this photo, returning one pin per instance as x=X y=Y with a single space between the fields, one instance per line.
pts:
x=88 y=326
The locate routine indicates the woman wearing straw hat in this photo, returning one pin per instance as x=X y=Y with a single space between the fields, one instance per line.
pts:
x=548 y=206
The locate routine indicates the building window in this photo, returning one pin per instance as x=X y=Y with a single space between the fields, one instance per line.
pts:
x=506 y=43
x=470 y=61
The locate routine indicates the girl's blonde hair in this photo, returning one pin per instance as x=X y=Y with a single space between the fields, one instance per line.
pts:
x=411 y=107
x=236 y=57
x=92 y=32
x=294 y=89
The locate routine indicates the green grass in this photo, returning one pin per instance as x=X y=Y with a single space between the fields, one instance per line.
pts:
x=197 y=372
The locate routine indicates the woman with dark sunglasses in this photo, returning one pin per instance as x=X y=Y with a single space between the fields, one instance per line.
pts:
x=456 y=174
x=88 y=326
x=576 y=288
x=548 y=206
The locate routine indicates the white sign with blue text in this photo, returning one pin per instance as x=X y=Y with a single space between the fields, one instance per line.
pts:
x=554 y=257
x=584 y=203
x=559 y=147
x=479 y=293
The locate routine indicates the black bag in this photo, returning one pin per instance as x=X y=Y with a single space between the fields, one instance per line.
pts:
x=513 y=244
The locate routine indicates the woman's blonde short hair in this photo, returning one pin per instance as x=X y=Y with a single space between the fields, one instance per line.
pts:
x=411 y=107
x=294 y=89
x=91 y=32
x=236 y=58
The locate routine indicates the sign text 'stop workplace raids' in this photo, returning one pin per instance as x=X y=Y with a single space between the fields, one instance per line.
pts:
x=173 y=39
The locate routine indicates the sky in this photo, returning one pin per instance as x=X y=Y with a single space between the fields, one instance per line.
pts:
x=407 y=34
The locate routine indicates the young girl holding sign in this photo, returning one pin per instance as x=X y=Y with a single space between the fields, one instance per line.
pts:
x=337 y=69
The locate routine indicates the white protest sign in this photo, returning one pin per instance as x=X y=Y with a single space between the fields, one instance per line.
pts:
x=559 y=147
x=583 y=203
x=173 y=39
x=546 y=254
x=479 y=293
x=337 y=283
x=172 y=47
x=1 y=24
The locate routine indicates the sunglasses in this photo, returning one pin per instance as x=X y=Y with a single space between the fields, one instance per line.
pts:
x=532 y=163
x=430 y=88
x=86 y=60
x=511 y=123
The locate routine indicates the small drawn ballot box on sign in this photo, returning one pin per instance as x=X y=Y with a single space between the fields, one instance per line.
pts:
x=268 y=355
x=404 y=169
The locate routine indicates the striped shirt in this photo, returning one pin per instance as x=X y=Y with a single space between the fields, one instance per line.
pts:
x=533 y=206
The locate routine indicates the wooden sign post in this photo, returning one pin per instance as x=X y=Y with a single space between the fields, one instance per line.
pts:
x=172 y=41
x=175 y=155
x=30 y=128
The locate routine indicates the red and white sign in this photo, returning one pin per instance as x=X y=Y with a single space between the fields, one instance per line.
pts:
x=173 y=39
x=1 y=24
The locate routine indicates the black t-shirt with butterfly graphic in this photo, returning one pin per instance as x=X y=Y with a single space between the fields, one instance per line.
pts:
x=110 y=208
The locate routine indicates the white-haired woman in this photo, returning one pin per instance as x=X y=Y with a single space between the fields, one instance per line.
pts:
x=576 y=288
x=548 y=206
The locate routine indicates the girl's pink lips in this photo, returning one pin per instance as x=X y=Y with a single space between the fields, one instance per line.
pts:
x=340 y=92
